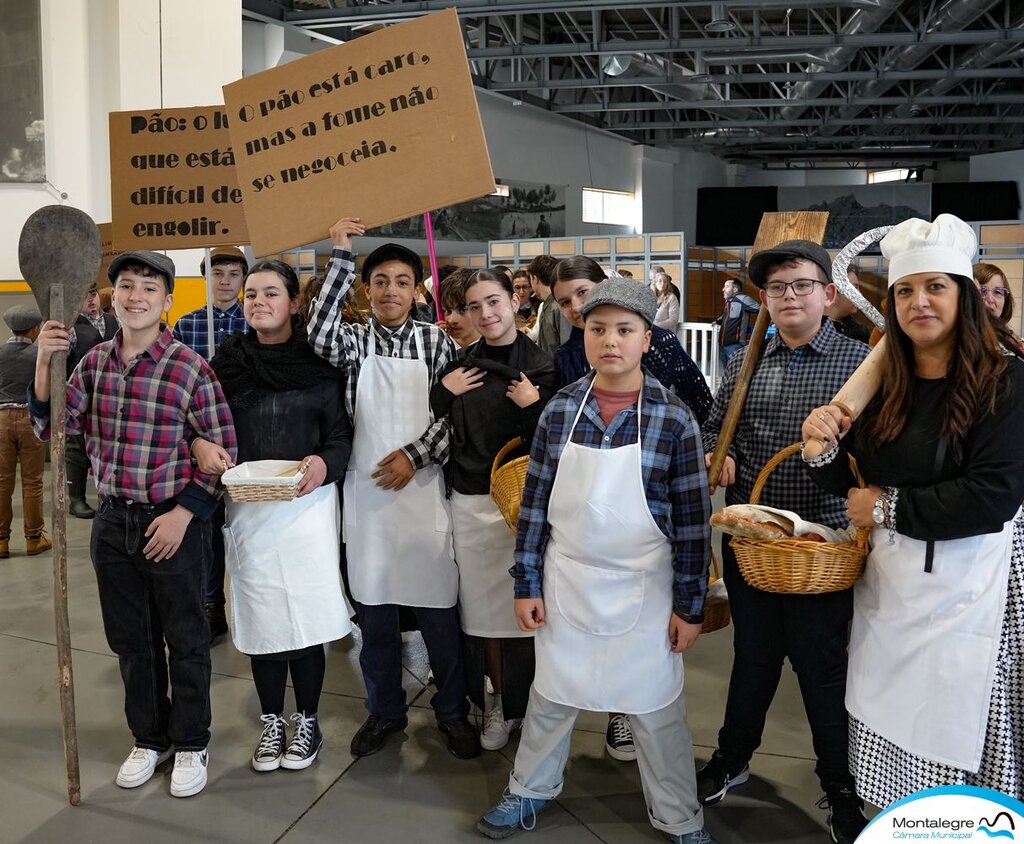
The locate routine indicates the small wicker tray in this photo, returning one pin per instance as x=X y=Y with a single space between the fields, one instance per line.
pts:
x=508 y=480
x=262 y=480
x=793 y=566
x=716 y=608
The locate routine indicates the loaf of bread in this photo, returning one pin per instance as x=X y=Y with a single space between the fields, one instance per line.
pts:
x=751 y=522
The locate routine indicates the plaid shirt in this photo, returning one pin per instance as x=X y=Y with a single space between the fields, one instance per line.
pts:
x=346 y=346
x=190 y=329
x=787 y=385
x=139 y=417
x=675 y=482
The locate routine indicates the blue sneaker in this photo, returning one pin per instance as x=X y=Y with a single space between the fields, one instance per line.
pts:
x=511 y=813
x=701 y=836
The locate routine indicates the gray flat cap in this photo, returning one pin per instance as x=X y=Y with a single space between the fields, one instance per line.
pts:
x=624 y=293
x=22 y=317
x=802 y=250
x=154 y=260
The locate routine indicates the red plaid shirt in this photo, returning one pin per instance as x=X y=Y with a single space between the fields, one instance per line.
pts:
x=139 y=417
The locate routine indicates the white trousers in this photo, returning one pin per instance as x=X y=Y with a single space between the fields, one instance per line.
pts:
x=664 y=752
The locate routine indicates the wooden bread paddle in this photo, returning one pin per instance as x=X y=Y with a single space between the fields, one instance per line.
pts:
x=59 y=253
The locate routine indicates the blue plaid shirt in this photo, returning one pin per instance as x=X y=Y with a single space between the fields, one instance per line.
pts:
x=190 y=329
x=675 y=481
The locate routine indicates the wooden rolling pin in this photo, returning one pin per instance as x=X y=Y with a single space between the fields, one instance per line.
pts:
x=855 y=394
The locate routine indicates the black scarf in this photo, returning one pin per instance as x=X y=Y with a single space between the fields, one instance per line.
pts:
x=248 y=370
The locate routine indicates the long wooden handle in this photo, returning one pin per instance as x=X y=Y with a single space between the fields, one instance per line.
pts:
x=739 y=396
x=58 y=449
x=857 y=392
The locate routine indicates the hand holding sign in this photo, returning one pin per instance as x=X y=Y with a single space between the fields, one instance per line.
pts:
x=342 y=231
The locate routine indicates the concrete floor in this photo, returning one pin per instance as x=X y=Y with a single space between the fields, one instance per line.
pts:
x=413 y=790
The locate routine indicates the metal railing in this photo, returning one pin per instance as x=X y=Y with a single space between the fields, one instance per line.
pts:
x=700 y=340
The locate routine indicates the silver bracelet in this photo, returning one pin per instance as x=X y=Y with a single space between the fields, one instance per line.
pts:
x=823 y=459
x=889 y=496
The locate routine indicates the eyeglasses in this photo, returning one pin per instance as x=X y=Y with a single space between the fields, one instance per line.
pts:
x=998 y=292
x=801 y=287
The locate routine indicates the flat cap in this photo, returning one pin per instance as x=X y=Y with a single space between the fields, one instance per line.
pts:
x=22 y=317
x=801 y=250
x=224 y=254
x=623 y=293
x=154 y=260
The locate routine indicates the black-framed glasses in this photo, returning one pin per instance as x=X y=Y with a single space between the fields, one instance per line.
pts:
x=801 y=287
x=998 y=292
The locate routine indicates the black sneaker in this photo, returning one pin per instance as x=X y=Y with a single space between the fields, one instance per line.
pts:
x=463 y=741
x=846 y=817
x=714 y=780
x=305 y=744
x=370 y=737
x=268 y=753
x=618 y=739
x=217 y=620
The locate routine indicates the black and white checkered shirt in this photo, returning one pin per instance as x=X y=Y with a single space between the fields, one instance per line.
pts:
x=787 y=385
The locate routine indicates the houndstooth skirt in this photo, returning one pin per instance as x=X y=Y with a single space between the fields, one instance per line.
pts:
x=885 y=772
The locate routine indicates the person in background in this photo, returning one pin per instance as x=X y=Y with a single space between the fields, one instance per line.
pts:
x=91 y=328
x=551 y=329
x=668 y=302
x=625 y=274
x=457 y=323
x=501 y=268
x=227 y=271
x=736 y=321
x=655 y=270
x=543 y=227
x=18 y=444
x=107 y=302
x=935 y=690
x=843 y=313
x=524 y=292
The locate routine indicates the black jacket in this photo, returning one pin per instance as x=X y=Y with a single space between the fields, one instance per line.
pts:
x=86 y=336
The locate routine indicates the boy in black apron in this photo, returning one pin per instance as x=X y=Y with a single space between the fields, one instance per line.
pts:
x=611 y=568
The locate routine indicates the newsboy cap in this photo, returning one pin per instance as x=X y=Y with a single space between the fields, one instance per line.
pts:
x=623 y=293
x=154 y=260
x=22 y=317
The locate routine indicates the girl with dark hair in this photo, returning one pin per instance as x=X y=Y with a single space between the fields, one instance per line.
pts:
x=283 y=556
x=935 y=687
x=493 y=393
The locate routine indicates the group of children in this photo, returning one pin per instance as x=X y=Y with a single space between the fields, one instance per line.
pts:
x=609 y=563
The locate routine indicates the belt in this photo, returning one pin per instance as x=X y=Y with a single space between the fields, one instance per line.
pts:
x=138 y=506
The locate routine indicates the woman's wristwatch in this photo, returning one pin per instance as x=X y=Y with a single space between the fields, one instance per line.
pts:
x=883 y=513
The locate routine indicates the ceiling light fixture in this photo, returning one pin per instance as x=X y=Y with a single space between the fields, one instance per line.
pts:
x=720 y=21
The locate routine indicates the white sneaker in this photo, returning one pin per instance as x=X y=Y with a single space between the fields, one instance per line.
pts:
x=497 y=730
x=189 y=774
x=140 y=766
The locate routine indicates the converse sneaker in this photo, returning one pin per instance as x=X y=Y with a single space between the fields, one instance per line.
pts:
x=511 y=814
x=497 y=730
x=846 y=817
x=305 y=745
x=189 y=774
x=268 y=753
x=714 y=780
x=618 y=740
x=140 y=765
x=701 y=836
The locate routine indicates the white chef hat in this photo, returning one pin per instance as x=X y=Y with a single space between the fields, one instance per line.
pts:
x=916 y=246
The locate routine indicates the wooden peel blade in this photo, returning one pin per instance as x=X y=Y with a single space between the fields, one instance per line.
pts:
x=59 y=253
x=775 y=227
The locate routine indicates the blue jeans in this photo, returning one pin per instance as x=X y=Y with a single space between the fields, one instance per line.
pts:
x=727 y=352
x=381 y=660
x=147 y=606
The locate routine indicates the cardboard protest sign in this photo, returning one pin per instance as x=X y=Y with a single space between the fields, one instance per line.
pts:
x=107 y=255
x=381 y=128
x=172 y=180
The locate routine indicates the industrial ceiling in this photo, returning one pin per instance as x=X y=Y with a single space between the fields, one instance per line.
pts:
x=763 y=82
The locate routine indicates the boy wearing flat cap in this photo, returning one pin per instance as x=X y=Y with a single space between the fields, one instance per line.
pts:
x=801 y=368
x=140 y=399
x=17 y=442
x=611 y=567
x=397 y=522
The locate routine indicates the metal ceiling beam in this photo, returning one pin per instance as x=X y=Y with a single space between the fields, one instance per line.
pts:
x=776 y=102
x=797 y=143
x=812 y=122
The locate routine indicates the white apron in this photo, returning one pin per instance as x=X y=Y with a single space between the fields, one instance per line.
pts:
x=398 y=544
x=484 y=552
x=923 y=645
x=607 y=588
x=284 y=562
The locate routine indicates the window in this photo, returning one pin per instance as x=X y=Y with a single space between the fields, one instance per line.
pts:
x=876 y=177
x=609 y=206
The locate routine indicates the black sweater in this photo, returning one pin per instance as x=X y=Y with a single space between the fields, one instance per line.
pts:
x=973 y=495
x=484 y=419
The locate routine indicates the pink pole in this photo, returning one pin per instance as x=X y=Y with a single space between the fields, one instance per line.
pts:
x=428 y=223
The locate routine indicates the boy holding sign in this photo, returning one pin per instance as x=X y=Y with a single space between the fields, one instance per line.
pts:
x=397 y=522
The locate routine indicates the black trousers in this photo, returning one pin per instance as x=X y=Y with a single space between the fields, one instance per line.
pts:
x=148 y=607
x=216 y=574
x=813 y=632
x=381 y=659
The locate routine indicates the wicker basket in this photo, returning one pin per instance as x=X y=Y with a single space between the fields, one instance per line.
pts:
x=507 y=481
x=793 y=566
x=716 y=609
x=262 y=480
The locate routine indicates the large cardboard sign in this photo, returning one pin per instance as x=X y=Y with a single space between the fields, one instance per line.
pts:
x=172 y=180
x=107 y=254
x=381 y=128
